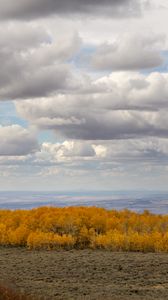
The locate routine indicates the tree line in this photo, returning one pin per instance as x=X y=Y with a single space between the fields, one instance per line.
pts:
x=84 y=227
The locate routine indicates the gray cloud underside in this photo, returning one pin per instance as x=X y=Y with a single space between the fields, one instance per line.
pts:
x=129 y=53
x=28 y=9
x=17 y=141
x=32 y=66
x=122 y=125
x=119 y=106
x=35 y=64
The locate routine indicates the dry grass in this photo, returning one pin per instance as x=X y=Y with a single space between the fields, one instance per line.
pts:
x=83 y=275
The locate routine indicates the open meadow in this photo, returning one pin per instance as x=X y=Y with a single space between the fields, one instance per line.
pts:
x=85 y=274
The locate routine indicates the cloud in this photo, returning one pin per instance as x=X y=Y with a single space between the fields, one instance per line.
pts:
x=65 y=152
x=36 y=63
x=22 y=36
x=93 y=154
x=112 y=152
x=33 y=64
x=118 y=106
x=24 y=9
x=90 y=160
x=17 y=141
x=39 y=82
x=98 y=124
x=129 y=53
x=149 y=149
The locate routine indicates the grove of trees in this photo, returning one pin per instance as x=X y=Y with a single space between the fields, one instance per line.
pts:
x=84 y=227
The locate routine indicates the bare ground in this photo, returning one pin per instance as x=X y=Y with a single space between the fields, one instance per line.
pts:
x=85 y=274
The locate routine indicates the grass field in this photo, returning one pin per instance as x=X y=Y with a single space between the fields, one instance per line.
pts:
x=85 y=274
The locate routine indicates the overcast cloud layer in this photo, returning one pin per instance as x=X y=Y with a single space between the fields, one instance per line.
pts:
x=83 y=94
x=36 y=9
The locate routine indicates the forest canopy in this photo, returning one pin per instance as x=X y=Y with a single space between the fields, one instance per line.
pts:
x=84 y=227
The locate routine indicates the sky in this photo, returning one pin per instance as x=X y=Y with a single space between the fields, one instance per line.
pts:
x=83 y=95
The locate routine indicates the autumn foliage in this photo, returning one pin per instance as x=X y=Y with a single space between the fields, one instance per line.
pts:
x=84 y=227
